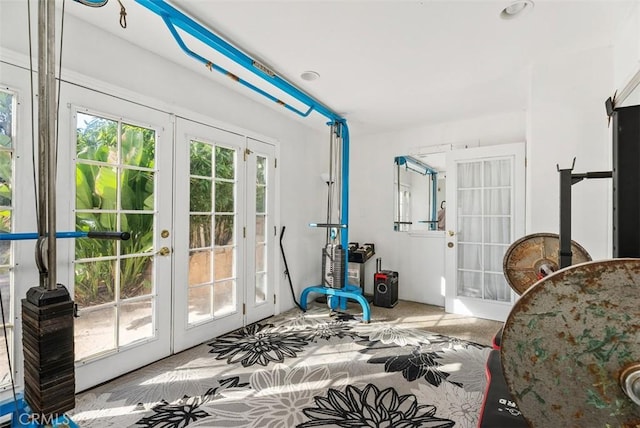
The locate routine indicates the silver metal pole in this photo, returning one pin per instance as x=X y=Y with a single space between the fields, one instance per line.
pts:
x=51 y=146
x=46 y=146
x=338 y=180
x=43 y=118
x=330 y=183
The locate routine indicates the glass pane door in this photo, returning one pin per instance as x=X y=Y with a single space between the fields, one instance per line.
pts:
x=212 y=231
x=485 y=191
x=208 y=233
x=120 y=179
x=261 y=234
x=7 y=131
x=115 y=191
x=485 y=214
x=261 y=268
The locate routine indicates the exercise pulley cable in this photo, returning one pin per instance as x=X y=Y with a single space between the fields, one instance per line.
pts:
x=334 y=179
x=33 y=115
x=41 y=226
x=55 y=141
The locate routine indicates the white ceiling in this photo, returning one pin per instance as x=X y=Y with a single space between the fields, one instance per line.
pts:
x=384 y=65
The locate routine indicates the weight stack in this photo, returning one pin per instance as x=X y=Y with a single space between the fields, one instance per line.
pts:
x=333 y=261
x=47 y=340
x=385 y=288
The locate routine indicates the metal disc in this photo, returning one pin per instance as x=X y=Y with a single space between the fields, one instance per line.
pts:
x=533 y=257
x=568 y=341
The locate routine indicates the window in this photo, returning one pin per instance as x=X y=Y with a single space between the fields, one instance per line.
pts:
x=212 y=226
x=115 y=190
x=415 y=178
x=261 y=229
x=7 y=131
x=403 y=207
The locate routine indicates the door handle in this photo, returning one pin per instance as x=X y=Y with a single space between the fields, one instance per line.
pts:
x=164 y=251
x=451 y=232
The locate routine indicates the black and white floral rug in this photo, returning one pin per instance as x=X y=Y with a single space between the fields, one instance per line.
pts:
x=312 y=369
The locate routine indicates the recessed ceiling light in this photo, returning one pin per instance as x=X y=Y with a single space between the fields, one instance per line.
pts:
x=517 y=8
x=310 y=75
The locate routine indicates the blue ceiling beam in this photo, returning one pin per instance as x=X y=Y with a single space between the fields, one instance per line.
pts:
x=175 y=18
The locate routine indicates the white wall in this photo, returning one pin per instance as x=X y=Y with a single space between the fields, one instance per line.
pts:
x=120 y=68
x=567 y=119
x=627 y=51
x=418 y=259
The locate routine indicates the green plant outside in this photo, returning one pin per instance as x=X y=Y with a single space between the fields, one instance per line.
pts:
x=128 y=178
x=205 y=200
x=129 y=175
x=6 y=161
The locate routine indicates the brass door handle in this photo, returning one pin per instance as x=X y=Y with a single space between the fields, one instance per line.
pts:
x=164 y=251
x=451 y=232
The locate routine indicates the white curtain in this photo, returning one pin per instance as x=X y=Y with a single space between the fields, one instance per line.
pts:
x=484 y=227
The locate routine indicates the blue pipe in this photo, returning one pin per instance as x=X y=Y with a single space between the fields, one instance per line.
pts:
x=174 y=18
x=93 y=3
x=434 y=197
x=344 y=132
x=182 y=21
x=211 y=65
x=424 y=168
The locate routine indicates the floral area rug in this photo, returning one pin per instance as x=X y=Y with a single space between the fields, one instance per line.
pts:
x=313 y=369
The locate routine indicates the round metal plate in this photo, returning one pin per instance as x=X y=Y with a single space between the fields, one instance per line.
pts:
x=568 y=339
x=526 y=257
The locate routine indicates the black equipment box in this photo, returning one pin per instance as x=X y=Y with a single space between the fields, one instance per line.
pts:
x=385 y=288
x=360 y=254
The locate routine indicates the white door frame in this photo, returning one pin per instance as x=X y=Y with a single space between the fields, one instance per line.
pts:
x=256 y=309
x=102 y=368
x=185 y=335
x=477 y=307
x=24 y=273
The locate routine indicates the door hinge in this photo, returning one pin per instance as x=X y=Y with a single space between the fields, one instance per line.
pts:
x=275 y=162
x=275 y=231
x=244 y=231
x=274 y=299
x=247 y=152
x=525 y=162
x=244 y=309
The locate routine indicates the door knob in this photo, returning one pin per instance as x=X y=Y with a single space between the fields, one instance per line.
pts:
x=164 y=251
x=450 y=244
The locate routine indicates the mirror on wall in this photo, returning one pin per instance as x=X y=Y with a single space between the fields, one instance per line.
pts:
x=419 y=192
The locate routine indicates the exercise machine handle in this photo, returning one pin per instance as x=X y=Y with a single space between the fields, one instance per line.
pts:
x=123 y=236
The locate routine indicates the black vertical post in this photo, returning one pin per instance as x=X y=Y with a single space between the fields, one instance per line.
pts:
x=565 y=217
x=626 y=182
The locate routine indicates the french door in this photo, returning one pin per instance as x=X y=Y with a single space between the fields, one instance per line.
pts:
x=119 y=179
x=261 y=230
x=485 y=214
x=198 y=202
x=224 y=190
